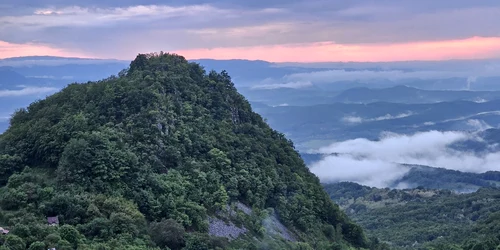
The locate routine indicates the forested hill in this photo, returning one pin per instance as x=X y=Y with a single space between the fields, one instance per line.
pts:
x=150 y=159
x=423 y=218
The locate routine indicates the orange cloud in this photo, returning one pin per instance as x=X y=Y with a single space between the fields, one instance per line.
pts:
x=30 y=49
x=470 y=48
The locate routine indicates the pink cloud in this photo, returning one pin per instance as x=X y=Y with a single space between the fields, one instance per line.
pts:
x=469 y=48
x=30 y=49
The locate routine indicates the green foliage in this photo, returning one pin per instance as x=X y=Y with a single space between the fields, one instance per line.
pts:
x=167 y=233
x=164 y=141
x=98 y=160
x=37 y=245
x=8 y=165
x=70 y=234
x=197 y=242
x=14 y=242
x=64 y=245
x=423 y=218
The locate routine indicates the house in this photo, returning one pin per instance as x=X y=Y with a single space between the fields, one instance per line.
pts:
x=53 y=221
x=3 y=230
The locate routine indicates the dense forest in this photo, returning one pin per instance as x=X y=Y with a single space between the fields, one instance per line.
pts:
x=153 y=158
x=423 y=218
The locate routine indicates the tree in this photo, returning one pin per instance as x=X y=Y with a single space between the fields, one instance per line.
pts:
x=52 y=239
x=70 y=234
x=14 y=242
x=197 y=242
x=37 y=245
x=167 y=233
x=64 y=245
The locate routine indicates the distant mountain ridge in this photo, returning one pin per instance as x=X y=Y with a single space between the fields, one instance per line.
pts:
x=9 y=77
x=440 y=178
x=406 y=94
x=305 y=123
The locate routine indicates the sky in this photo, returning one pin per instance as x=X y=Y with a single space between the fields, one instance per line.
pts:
x=271 y=30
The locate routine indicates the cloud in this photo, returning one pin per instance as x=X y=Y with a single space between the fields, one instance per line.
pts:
x=357 y=119
x=329 y=76
x=291 y=85
x=479 y=100
x=375 y=163
x=76 y=16
x=369 y=172
x=486 y=113
x=297 y=30
x=28 y=49
x=352 y=119
x=56 y=61
x=28 y=91
x=51 y=77
x=476 y=124
x=469 y=48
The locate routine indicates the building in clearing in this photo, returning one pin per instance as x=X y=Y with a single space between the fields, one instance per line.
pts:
x=53 y=221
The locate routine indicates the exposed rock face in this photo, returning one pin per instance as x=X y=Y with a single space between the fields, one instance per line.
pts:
x=271 y=223
x=244 y=208
x=274 y=227
x=219 y=228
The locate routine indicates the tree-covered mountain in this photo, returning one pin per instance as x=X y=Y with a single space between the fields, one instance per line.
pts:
x=423 y=218
x=164 y=155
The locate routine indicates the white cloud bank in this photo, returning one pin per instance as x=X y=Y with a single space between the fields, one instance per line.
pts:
x=290 y=85
x=376 y=163
x=357 y=119
x=307 y=79
x=336 y=75
x=27 y=91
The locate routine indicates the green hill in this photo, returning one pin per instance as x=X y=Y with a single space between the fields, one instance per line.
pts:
x=162 y=155
x=423 y=218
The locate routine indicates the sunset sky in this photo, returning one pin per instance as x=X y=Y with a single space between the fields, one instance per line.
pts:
x=277 y=31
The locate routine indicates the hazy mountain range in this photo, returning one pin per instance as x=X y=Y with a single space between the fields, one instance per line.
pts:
x=342 y=121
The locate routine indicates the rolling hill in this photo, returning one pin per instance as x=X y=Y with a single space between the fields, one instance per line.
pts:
x=423 y=218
